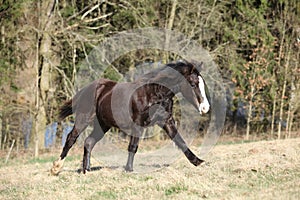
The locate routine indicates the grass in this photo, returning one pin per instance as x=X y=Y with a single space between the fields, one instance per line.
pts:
x=105 y=194
x=175 y=189
x=43 y=160
x=258 y=170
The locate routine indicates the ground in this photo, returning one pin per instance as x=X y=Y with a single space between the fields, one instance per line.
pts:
x=256 y=170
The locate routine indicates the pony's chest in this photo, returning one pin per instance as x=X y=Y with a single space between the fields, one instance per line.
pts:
x=155 y=111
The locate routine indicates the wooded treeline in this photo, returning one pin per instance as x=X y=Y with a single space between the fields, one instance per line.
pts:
x=256 y=44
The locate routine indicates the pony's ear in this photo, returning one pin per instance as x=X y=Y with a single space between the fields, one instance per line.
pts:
x=193 y=68
x=200 y=66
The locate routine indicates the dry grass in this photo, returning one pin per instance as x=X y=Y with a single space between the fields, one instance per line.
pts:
x=259 y=170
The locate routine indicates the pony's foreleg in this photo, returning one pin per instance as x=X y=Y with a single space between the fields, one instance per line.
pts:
x=172 y=132
x=132 y=149
x=89 y=143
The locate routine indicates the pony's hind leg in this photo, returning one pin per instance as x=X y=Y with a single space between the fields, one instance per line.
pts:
x=71 y=139
x=79 y=126
x=89 y=143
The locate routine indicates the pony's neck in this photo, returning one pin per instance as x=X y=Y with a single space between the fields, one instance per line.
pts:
x=175 y=89
x=163 y=92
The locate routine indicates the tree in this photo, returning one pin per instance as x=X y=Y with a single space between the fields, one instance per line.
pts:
x=255 y=43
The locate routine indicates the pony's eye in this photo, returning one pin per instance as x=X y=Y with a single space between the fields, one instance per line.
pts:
x=193 y=85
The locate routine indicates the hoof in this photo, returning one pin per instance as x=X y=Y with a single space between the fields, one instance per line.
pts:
x=86 y=170
x=86 y=167
x=197 y=161
x=57 y=165
x=54 y=171
x=128 y=169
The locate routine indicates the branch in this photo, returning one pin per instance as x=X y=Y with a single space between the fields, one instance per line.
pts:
x=68 y=84
x=78 y=13
x=89 y=11
x=97 y=27
x=97 y=18
x=85 y=21
x=8 y=154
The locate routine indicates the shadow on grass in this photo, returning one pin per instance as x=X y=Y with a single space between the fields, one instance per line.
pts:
x=98 y=168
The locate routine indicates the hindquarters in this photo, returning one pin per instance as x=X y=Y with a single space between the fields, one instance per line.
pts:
x=83 y=105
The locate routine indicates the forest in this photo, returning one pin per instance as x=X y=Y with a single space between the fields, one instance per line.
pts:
x=254 y=43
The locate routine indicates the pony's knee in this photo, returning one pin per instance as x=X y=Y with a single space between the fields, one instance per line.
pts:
x=89 y=143
x=133 y=148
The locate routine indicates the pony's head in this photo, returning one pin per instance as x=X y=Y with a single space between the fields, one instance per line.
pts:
x=193 y=87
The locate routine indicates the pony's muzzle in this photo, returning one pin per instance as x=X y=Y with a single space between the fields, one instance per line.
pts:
x=204 y=107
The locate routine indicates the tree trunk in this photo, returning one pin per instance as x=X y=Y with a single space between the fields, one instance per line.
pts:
x=293 y=104
x=169 y=27
x=281 y=109
x=274 y=96
x=249 y=116
x=43 y=67
x=288 y=120
x=283 y=95
x=273 y=114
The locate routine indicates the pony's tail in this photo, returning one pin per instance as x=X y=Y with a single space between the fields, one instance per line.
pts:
x=66 y=110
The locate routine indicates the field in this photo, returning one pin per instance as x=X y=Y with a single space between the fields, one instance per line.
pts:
x=257 y=170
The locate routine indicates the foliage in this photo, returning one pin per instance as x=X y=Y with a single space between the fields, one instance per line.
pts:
x=254 y=42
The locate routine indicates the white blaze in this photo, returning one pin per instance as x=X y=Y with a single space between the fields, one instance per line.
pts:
x=204 y=106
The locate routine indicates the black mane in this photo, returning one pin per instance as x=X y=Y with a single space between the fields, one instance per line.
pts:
x=166 y=72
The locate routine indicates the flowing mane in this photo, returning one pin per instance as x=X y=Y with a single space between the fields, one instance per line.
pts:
x=168 y=72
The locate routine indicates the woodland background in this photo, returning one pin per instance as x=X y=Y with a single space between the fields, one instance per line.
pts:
x=255 y=43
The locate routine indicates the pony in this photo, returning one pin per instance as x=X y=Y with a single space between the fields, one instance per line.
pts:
x=133 y=106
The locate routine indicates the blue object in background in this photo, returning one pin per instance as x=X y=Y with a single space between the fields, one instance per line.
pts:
x=50 y=134
x=67 y=127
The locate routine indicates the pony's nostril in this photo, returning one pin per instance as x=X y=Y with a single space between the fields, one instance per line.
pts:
x=204 y=108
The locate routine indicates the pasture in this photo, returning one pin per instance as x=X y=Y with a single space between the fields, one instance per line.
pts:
x=256 y=170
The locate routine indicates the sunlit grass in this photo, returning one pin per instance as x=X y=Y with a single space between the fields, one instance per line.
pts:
x=259 y=170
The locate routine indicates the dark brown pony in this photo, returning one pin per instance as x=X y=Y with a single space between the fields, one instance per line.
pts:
x=131 y=107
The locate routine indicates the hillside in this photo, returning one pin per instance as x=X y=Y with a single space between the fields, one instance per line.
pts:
x=258 y=170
